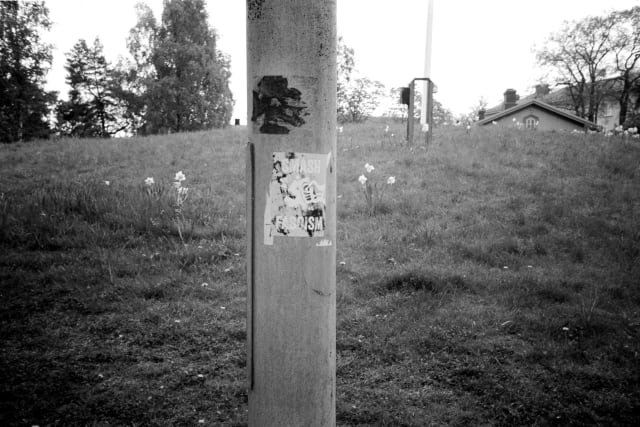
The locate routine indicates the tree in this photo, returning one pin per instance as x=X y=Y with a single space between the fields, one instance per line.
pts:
x=24 y=62
x=441 y=115
x=181 y=77
x=625 y=46
x=345 y=66
x=92 y=109
x=578 y=54
x=474 y=114
x=357 y=98
x=360 y=99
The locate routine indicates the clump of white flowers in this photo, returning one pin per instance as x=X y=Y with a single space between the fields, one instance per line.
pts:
x=159 y=192
x=372 y=190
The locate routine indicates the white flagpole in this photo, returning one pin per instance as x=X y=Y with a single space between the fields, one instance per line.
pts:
x=427 y=67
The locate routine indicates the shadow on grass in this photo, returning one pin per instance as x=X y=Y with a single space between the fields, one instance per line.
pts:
x=427 y=282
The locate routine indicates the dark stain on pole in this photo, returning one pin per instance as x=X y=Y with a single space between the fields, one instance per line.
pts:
x=281 y=105
x=254 y=9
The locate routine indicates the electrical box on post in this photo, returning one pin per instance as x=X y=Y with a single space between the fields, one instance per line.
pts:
x=404 y=95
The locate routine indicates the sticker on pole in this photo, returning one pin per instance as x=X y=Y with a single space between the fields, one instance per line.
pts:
x=296 y=197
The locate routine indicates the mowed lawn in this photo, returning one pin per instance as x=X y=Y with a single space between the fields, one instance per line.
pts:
x=496 y=282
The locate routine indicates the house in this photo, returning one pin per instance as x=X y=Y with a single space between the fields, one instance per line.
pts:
x=608 y=111
x=532 y=114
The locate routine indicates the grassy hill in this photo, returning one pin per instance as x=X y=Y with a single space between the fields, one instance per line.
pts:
x=496 y=282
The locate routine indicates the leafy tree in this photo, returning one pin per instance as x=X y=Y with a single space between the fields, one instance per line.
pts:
x=441 y=115
x=578 y=54
x=92 y=109
x=345 y=66
x=625 y=47
x=180 y=76
x=474 y=114
x=357 y=98
x=24 y=62
x=361 y=98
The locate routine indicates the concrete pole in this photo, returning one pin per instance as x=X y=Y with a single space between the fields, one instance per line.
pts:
x=291 y=212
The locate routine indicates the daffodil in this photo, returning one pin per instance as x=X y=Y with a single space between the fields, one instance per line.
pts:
x=362 y=179
x=391 y=180
x=179 y=177
x=369 y=168
x=149 y=181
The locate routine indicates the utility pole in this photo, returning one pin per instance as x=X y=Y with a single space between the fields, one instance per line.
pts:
x=291 y=212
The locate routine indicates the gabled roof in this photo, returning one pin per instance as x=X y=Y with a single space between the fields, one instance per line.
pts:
x=539 y=104
x=561 y=97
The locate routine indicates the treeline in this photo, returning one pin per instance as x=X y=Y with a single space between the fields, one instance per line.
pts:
x=177 y=79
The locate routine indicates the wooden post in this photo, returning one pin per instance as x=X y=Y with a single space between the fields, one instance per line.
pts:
x=291 y=212
x=410 y=120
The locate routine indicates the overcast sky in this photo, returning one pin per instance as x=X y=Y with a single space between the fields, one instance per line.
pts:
x=480 y=48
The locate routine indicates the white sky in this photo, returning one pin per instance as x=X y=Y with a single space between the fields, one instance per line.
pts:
x=480 y=48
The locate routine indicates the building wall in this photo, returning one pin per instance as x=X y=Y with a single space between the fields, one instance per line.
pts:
x=546 y=120
x=609 y=112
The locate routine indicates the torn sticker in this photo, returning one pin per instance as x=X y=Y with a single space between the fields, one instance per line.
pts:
x=277 y=108
x=296 y=198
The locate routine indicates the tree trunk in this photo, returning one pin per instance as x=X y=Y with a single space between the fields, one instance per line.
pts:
x=624 y=99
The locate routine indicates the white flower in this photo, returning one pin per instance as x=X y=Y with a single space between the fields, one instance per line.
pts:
x=362 y=179
x=494 y=122
x=149 y=181
x=369 y=168
x=386 y=129
x=179 y=177
x=340 y=129
x=391 y=180
x=107 y=183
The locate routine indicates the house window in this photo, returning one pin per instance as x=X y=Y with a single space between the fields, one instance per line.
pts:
x=531 y=122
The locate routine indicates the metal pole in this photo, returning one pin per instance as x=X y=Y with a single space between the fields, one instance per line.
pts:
x=410 y=120
x=429 y=133
x=291 y=212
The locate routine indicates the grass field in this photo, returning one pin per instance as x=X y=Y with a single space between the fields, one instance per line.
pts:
x=497 y=282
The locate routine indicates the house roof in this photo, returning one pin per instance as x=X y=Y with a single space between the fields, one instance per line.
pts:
x=562 y=98
x=539 y=104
